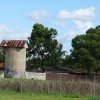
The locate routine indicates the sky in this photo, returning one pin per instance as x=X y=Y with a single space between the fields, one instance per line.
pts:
x=69 y=17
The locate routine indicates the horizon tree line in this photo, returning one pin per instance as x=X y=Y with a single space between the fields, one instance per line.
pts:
x=44 y=50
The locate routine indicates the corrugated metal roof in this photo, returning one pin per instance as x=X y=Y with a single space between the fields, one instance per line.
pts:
x=13 y=43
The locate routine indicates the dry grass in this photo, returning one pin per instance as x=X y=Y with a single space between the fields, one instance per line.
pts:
x=61 y=87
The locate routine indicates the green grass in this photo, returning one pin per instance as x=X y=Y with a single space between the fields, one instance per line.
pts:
x=10 y=95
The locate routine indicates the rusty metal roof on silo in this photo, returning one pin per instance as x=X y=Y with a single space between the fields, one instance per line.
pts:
x=13 y=43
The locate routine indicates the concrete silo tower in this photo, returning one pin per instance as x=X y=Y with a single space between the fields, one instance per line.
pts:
x=15 y=57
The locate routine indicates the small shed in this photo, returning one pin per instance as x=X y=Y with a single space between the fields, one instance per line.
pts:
x=15 y=57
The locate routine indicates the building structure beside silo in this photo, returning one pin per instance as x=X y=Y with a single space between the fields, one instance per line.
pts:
x=15 y=57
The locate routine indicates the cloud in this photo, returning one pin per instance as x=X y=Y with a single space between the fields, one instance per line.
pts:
x=19 y=36
x=80 y=29
x=5 y=30
x=13 y=33
x=80 y=14
x=82 y=20
x=58 y=24
x=68 y=36
x=38 y=15
x=83 y=26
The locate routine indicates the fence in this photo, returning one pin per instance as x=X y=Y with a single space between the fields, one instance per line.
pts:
x=71 y=77
x=61 y=83
x=72 y=83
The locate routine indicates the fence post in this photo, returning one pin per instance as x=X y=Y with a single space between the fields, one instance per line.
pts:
x=21 y=84
x=60 y=83
x=94 y=87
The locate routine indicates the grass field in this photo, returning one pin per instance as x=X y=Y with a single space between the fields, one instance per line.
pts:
x=8 y=95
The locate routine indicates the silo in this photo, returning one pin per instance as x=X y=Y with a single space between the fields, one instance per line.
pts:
x=15 y=57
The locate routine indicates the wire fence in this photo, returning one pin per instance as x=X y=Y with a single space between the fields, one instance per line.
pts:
x=60 y=83
x=77 y=84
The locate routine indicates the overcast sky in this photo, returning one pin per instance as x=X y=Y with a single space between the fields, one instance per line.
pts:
x=69 y=17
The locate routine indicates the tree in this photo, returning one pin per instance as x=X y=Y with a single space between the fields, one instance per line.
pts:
x=1 y=56
x=44 y=50
x=68 y=62
x=86 y=50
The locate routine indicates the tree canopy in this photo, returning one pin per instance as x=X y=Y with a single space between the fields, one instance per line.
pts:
x=86 y=50
x=44 y=49
x=1 y=56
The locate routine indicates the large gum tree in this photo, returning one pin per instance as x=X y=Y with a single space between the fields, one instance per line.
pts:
x=44 y=49
x=86 y=50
